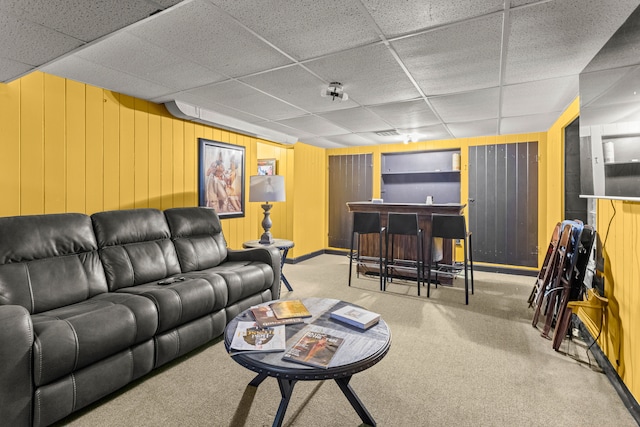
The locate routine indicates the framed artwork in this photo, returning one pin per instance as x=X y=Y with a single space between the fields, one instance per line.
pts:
x=267 y=167
x=221 y=177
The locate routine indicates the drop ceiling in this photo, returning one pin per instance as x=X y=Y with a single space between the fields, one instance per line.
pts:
x=430 y=70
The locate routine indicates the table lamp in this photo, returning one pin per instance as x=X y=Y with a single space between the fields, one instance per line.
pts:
x=266 y=188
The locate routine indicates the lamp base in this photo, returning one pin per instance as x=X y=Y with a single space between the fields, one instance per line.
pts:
x=266 y=238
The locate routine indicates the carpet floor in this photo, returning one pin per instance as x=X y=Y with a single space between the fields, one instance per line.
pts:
x=449 y=365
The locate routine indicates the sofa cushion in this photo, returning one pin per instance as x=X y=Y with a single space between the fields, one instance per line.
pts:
x=73 y=337
x=184 y=300
x=135 y=247
x=48 y=261
x=198 y=237
x=242 y=278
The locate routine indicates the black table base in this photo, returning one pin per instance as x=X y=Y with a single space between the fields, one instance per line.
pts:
x=286 y=389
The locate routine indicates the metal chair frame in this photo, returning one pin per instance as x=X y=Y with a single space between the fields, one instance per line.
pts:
x=451 y=227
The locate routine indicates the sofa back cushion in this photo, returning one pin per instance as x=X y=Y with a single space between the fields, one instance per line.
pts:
x=49 y=261
x=135 y=246
x=197 y=235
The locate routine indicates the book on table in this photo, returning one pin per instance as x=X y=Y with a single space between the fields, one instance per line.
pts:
x=356 y=316
x=264 y=317
x=314 y=349
x=289 y=309
x=250 y=337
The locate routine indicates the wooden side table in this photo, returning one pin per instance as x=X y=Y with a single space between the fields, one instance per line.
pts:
x=283 y=245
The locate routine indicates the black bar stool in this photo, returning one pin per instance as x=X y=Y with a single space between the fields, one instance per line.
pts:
x=366 y=223
x=403 y=224
x=450 y=227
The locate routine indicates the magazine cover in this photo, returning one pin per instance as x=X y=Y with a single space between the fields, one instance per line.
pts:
x=290 y=308
x=314 y=349
x=356 y=316
x=264 y=317
x=251 y=337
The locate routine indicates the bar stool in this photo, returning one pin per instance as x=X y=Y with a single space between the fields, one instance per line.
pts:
x=450 y=227
x=403 y=224
x=366 y=223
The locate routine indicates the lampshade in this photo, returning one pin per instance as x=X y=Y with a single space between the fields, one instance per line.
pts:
x=266 y=188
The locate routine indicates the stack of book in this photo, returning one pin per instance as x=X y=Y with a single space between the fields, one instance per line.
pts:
x=356 y=316
x=267 y=333
x=280 y=313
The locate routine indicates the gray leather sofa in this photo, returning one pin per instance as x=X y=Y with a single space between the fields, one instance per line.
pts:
x=90 y=303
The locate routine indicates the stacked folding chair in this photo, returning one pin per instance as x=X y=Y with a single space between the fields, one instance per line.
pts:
x=560 y=278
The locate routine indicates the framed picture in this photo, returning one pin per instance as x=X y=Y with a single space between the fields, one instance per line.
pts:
x=221 y=177
x=267 y=167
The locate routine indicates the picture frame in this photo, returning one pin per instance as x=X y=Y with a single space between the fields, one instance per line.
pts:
x=267 y=167
x=221 y=178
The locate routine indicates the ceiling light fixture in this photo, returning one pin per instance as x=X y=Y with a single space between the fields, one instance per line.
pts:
x=335 y=90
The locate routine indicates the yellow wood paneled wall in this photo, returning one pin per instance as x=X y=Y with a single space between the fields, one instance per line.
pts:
x=70 y=147
x=619 y=229
x=310 y=208
x=618 y=226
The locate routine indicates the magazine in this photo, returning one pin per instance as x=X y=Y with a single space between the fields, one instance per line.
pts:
x=314 y=349
x=249 y=337
x=264 y=317
x=289 y=308
x=356 y=316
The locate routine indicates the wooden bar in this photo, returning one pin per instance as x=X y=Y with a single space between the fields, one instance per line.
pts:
x=405 y=246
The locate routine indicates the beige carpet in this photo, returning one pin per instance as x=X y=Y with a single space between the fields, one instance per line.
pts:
x=449 y=365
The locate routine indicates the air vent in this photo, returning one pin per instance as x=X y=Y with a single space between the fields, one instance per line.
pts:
x=390 y=132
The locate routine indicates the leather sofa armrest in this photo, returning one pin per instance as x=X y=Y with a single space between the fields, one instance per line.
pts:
x=269 y=255
x=16 y=384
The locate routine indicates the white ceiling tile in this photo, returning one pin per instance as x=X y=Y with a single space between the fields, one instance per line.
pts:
x=244 y=98
x=31 y=43
x=297 y=86
x=357 y=119
x=287 y=129
x=539 y=97
x=10 y=69
x=559 y=38
x=265 y=63
x=81 y=19
x=132 y=55
x=402 y=17
x=525 y=124
x=76 y=68
x=349 y=140
x=471 y=129
x=311 y=28
x=381 y=139
x=453 y=59
x=410 y=114
x=199 y=31
x=315 y=125
x=322 y=143
x=469 y=106
x=428 y=133
x=370 y=75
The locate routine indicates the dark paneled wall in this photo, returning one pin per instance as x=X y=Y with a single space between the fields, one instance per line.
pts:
x=503 y=203
x=350 y=180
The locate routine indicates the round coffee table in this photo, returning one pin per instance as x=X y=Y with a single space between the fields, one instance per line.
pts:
x=359 y=351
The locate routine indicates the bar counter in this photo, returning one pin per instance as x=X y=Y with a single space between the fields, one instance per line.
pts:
x=405 y=246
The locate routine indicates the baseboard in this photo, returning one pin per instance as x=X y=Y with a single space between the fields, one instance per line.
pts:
x=504 y=270
x=476 y=267
x=625 y=395
x=305 y=257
